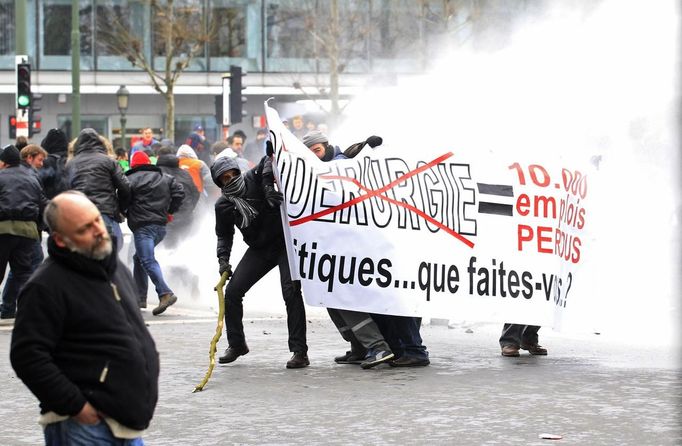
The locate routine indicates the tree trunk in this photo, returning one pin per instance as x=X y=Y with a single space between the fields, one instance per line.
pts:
x=169 y=131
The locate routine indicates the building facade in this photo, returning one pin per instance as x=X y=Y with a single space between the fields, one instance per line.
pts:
x=281 y=44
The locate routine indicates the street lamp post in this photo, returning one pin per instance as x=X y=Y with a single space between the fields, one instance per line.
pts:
x=122 y=99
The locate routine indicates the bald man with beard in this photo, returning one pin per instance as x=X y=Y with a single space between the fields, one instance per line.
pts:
x=79 y=342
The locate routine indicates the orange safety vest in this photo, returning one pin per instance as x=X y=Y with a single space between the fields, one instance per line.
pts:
x=194 y=168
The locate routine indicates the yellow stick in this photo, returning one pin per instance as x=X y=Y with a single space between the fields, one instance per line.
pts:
x=218 y=332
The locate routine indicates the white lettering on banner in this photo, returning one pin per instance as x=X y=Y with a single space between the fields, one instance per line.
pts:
x=387 y=233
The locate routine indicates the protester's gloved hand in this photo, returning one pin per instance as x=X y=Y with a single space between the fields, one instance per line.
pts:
x=224 y=267
x=374 y=141
x=269 y=149
x=272 y=197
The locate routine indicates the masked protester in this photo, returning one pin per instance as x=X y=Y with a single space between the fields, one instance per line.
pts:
x=250 y=202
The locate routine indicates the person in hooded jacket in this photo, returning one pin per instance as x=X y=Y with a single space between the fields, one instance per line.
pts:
x=52 y=175
x=101 y=179
x=250 y=202
x=183 y=217
x=21 y=208
x=155 y=195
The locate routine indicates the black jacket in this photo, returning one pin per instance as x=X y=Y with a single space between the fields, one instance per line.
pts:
x=21 y=195
x=154 y=195
x=53 y=174
x=99 y=177
x=79 y=336
x=170 y=166
x=265 y=230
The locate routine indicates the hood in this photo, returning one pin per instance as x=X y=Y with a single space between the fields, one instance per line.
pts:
x=186 y=151
x=55 y=142
x=220 y=166
x=168 y=161
x=88 y=141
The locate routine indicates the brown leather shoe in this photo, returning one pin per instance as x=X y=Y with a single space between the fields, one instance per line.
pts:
x=510 y=350
x=165 y=301
x=535 y=349
x=298 y=361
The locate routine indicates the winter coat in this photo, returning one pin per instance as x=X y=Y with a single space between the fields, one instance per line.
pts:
x=79 y=337
x=53 y=173
x=266 y=229
x=170 y=166
x=21 y=195
x=154 y=195
x=99 y=177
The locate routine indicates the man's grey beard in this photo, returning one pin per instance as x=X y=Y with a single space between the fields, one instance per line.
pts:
x=99 y=251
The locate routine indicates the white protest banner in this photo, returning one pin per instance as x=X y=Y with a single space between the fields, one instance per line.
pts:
x=400 y=231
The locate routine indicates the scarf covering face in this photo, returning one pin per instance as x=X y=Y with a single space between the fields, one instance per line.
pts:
x=234 y=192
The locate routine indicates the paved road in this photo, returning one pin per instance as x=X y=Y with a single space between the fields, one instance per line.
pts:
x=589 y=390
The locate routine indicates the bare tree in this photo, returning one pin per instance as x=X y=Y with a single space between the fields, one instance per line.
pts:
x=178 y=35
x=336 y=34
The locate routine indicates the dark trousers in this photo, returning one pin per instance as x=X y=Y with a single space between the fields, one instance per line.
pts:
x=402 y=335
x=517 y=334
x=359 y=329
x=18 y=253
x=255 y=264
x=12 y=287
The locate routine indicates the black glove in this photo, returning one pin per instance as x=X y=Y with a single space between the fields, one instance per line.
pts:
x=269 y=150
x=272 y=197
x=374 y=141
x=224 y=267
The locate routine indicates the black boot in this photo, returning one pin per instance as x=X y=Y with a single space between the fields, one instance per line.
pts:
x=232 y=353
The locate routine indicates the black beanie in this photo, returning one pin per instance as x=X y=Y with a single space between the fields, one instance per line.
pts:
x=10 y=156
x=55 y=141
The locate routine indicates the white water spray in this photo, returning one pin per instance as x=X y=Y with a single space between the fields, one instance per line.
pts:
x=574 y=85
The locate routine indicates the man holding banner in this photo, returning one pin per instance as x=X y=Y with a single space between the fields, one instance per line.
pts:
x=250 y=202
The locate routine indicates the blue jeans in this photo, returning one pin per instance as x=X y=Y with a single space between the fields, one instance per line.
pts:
x=145 y=266
x=402 y=335
x=13 y=285
x=72 y=433
x=115 y=230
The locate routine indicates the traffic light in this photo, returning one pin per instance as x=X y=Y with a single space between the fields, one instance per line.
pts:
x=12 y=127
x=236 y=98
x=218 y=100
x=34 y=119
x=23 y=85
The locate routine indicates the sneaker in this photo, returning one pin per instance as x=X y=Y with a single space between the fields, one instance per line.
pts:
x=165 y=301
x=298 y=361
x=534 y=349
x=350 y=357
x=375 y=358
x=410 y=361
x=232 y=353
x=510 y=351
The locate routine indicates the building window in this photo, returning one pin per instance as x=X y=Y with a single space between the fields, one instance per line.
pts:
x=235 y=27
x=99 y=123
x=184 y=126
x=7 y=43
x=55 y=34
x=187 y=28
x=121 y=24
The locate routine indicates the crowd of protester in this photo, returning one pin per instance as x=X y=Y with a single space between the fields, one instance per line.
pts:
x=80 y=192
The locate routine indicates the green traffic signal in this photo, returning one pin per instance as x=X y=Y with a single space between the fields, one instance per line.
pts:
x=23 y=101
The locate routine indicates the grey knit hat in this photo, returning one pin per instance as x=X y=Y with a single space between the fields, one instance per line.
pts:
x=314 y=137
